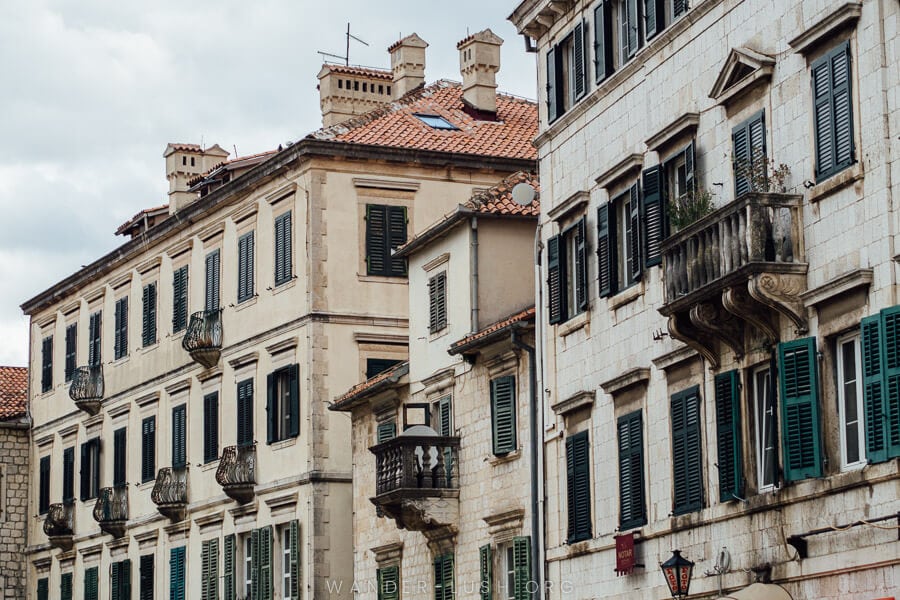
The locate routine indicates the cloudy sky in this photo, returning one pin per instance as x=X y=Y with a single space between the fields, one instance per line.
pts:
x=94 y=89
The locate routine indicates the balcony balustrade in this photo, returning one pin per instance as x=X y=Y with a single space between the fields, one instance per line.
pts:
x=203 y=338
x=111 y=510
x=86 y=388
x=237 y=472
x=59 y=525
x=743 y=264
x=170 y=493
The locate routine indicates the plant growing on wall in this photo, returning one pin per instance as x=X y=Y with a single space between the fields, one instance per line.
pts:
x=762 y=174
x=689 y=207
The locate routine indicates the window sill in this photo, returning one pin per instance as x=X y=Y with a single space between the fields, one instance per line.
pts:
x=150 y=348
x=285 y=285
x=283 y=443
x=574 y=324
x=246 y=303
x=626 y=296
x=147 y=485
x=495 y=460
x=121 y=361
x=213 y=464
x=439 y=333
x=836 y=182
x=382 y=279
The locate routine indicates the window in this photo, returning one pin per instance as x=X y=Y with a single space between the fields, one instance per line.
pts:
x=213 y=269
x=619 y=242
x=91 y=579
x=44 y=485
x=515 y=570
x=248 y=564
x=90 y=469
x=179 y=436
x=385 y=232
x=283 y=404
x=443 y=577
x=245 y=413
x=71 y=346
x=567 y=273
x=210 y=427
x=283 y=253
x=566 y=73
x=632 y=504
x=148 y=329
x=443 y=409
x=850 y=402
x=120 y=346
x=578 y=487
x=148 y=449
x=728 y=436
x=43 y=588
x=290 y=560
x=687 y=462
x=388 y=583
x=800 y=409
x=630 y=34
x=120 y=449
x=765 y=429
x=146 y=577
x=228 y=567
x=437 y=302
x=176 y=573
x=120 y=580
x=503 y=414
x=94 y=338
x=260 y=564
x=65 y=586
x=665 y=184
x=386 y=431
x=68 y=475
x=245 y=267
x=47 y=364
x=881 y=375
x=179 y=299
x=749 y=155
x=374 y=366
x=209 y=570
x=833 y=112
x=436 y=122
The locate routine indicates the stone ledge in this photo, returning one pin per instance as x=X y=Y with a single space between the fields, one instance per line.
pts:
x=686 y=123
x=574 y=202
x=836 y=182
x=582 y=399
x=640 y=375
x=842 y=283
x=675 y=357
x=824 y=30
x=621 y=170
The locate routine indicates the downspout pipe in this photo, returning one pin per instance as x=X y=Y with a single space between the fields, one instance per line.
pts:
x=537 y=561
x=473 y=269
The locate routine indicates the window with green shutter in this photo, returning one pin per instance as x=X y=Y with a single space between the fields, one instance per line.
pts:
x=43 y=589
x=604 y=63
x=567 y=273
x=148 y=318
x=65 y=587
x=209 y=570
x=294 y=559
x=91 y=584
x=213 y=269
x=245 y=413
x=120 y=345
x=176 y=573
x=567 y=72
x=443 y=577
x=120 y=450
x=283 y=404
x=833 y=111
x=148 y=449
x=210 y=427
x=437 y=302
x=146 y=577
x=90 y=469
x=578 y=487
x=283 y=252
x=47 y=364
x=44 y=485
x=503 y=414
x=485 y=568
x=798 y=375
x=388 y=583
x=632 y=498
x=749 y=154
x=881 y=384
x=120 y=580
x=374 y=366
x=386 y=228
x=228 y=567
x=71 y=347
x=68 y=475
x=522 y=567
x=245 y=267
x=179 y=299
x=263 y=576
x=687 y=460
x=728 y=436
x=386 y=431
x=95 y=323
x=179 y=436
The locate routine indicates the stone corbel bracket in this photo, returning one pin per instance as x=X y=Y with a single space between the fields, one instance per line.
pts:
x=781 y=292
x=682 y=329
x=712 y=319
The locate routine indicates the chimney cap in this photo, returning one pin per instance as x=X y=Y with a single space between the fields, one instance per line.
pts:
x=412 y=40
x=486 y=36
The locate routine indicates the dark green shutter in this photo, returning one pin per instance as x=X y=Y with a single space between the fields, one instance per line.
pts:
x=503 y=414
x=120 y=450
x=728 y=436
x=891 y=407
x=437 y=302
x=114 y=591
x=556 y=296
x=654 y=17
x=749 y=150
x=443 y=577
x=294 y=558
x=634 y=233
x=264 y=551
x=397 y=225
x=228 y=570
x=579 y=60
x=71 y=348
x=120 y=580
x=690 y=182
x=245 y=413
x=95 y=467
x=653 y=210
x=121 y=328
x=91 y=577
x=46 y=363
x=800 y=409
x=68 y=475
x=294 y=385
x=374 y=366
x=213 y=262
x=44 y=485
x=873 y=387
x=687 y=462
x=632 y=504
x=578 y=490
x=210 y=427
x=522 y=567
x=179 y=299
x=179 y=436
x=580 y=259
x=65 y=587
x=94 y=338
x=271 y=408
x=833 y=116
x=209 y=570
x=606 y=255
x=386 y=431
x=485 y=564
x=376 y=234
x=148 y=448
x=603 y=40
x=388 y=583
x=283 y=252
x=630 y=27
x=552 y=91
x=148 y=331
x=445 y=423
x=245 y=267
x=85 y=471
x=43 y=589
x=679 y=7
x=176 y=573
x=146 y=577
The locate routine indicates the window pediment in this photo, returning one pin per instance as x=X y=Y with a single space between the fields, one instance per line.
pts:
x=744 y=69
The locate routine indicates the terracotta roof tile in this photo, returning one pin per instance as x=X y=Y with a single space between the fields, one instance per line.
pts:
x=395 y=125
x=124 y=227
x=357 y=390
x=13 y=392
x=498 y=199
x=470 y=340
x=362 y=71
x=179 y=146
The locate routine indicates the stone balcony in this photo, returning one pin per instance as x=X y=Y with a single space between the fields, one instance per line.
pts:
x=417 y=481
x=59 y=525
x=86 y=388
x=169 y=493
x=203 y=338
x=111 y=510
x=237 y=472
x=742 y=266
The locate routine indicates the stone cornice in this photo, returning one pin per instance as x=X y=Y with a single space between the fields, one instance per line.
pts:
x=824 y=30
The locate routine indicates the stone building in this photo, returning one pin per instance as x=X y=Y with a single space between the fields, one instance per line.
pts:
x=184 y=377
x=14 y=469
x=443 y=466
x=719 y=223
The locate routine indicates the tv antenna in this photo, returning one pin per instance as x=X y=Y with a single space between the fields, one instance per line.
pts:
x=346 y=56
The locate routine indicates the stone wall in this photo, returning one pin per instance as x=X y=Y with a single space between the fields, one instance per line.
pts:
x=13 y=509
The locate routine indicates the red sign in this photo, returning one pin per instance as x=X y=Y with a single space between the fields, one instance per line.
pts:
x=624 y=554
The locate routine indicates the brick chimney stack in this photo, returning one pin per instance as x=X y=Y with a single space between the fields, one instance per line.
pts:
x=183 y=163
x=407 y=64
x=479 y=61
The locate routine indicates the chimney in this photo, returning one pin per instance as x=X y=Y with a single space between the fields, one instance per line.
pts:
x=479 y=61
x=345 y=92
x=407 y=64
x=183 y=163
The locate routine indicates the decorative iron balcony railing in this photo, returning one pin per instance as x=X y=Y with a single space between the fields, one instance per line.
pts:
x=170 y=492
x=111 y=510
x=203 y=338
x=87 y=388
x=60 y=521
x=237 y=472
x=417 y=464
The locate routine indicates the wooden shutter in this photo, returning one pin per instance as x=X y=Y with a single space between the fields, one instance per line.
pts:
x=120 y=580
x=522 y=567
x=44 y=485
x=376 y=239
x=388 y=583
x=272 y=402
x=485 y=566
x=228 y=570
x=245 y=413
x=873 y=388
x=690 y=182
x=264 y=550
x=728 y=436
x=120 y=449
x=212 y=280
x=94 y=338
x=148 y=448
x=580 y=260
x=679 y=7
x=65 y=587
x=176 y=573
x=146 y=577
x=579 y=60
x=603 y=46
x=891 y=408
x=283 y=251
x=653 y=210
x=606 y=256
x=46 y=363
x=85 y=472
x=749 y=150
x=245 y=267
x=552 y=87
x=295 y=559
x=179 y=299
x=90 y=583
x=71 y=348
x=179 y=436
x=843 y=112
x=386 y=431
x=654 y=17
x=833 y=117
x=556 y=296
x=800 y=409
x=443 y=577
x=68 y=475
x=634 y=233
x=437 y=302
x=94 y=458
x=121 y=328
x=148 y=329
x=43 y=589
x=632 y=505
x=374 y=366
x=294 y=400
x=503 y=414
x=630 y=25
x=445 y=424
x=687 y=465
x=209 y=570
x=210 y=427
x=114 y=589
x=397 y=223
x=578 y=487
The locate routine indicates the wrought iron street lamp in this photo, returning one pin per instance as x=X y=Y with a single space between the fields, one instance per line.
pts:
x=677 y=571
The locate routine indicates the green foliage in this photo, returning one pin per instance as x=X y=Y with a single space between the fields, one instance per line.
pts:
x=762 y=174
x=689 y=207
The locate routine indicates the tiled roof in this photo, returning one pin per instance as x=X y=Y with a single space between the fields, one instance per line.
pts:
x=178 y=146
x=13 y=392
x=362 y=71
x=391 y=375
x=488 y=332
x=395 y=125
x=124 y=227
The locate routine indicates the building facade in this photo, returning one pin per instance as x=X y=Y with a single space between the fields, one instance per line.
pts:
x=14 y=471
x=182 y=381
x=720 y=294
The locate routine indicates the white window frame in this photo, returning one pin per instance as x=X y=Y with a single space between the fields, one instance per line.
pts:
x=856 y=382
x=248 y=564
x=507 y=572
x=760 y=443
x=285 y=560
x=622 y=208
